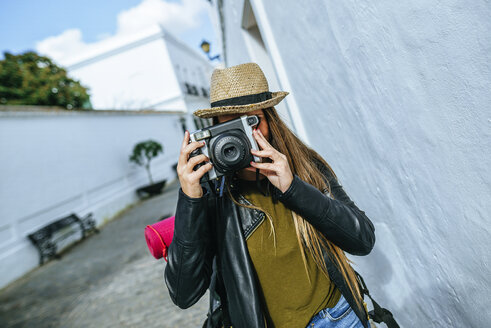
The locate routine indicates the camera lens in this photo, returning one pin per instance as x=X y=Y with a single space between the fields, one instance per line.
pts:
x=231 y=151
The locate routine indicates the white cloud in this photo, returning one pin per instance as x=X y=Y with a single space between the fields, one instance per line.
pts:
x=174 y=17
x=68 y=42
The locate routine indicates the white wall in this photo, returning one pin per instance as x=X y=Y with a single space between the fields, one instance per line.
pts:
x=395 y=96
x=57 y=162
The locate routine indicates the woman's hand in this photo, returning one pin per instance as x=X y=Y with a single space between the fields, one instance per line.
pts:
x=278 y=172
x=189 y=178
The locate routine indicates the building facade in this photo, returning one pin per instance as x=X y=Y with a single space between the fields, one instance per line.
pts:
x=151 y=69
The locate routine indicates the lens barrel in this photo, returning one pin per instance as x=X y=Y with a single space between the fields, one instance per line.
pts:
x=231 y=151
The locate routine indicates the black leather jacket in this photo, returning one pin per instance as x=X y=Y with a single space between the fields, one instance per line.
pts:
x=210 y=250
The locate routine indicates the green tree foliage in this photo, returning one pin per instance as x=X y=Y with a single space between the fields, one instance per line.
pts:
x=144 y=152
x=31 y=79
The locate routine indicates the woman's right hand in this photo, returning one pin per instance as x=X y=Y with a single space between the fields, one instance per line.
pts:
x=190 y=179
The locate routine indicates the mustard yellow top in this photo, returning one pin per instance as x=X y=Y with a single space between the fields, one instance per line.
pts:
x=289 y=298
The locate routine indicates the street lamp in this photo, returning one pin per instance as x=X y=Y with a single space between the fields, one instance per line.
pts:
x=205 y=46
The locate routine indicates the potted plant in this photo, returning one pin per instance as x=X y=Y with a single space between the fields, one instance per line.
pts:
x=143 y=153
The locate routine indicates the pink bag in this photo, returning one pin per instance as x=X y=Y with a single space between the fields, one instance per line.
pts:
x=159 y=236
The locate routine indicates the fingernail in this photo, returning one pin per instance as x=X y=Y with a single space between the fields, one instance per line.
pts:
x=252 y=163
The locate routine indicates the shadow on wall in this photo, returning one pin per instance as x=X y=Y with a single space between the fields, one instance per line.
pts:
x=441 y=304
x=376 y=262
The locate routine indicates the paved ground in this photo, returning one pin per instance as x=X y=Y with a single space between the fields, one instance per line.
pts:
x=109 y=280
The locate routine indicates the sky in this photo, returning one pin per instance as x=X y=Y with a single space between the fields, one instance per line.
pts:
x=64 y=28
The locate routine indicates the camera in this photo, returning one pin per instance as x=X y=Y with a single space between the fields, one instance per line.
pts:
x=228 y=146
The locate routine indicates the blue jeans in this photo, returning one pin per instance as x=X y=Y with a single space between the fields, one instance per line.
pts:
x=339 y=316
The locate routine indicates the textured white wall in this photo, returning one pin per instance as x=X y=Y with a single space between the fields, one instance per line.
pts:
x=396 y=97
x=55 y=163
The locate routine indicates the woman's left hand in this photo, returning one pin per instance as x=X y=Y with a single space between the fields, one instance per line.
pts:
x=278 y=172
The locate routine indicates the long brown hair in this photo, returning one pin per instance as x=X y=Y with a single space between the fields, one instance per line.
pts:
x=301 y=159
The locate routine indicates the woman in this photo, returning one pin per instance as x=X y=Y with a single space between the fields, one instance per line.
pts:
x=290 y=273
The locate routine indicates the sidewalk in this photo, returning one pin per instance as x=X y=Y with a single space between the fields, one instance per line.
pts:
x=109 y=280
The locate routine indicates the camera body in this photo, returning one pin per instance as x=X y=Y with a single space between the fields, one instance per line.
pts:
x=228 y=146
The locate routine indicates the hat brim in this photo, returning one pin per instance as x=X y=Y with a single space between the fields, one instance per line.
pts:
x=276 y=97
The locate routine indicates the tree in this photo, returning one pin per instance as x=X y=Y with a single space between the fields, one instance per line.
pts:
x=31 y=79
x=144 y=152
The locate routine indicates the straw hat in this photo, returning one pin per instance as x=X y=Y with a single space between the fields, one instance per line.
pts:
x=239 y=89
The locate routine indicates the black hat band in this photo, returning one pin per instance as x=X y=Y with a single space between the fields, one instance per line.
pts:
x=243 y=100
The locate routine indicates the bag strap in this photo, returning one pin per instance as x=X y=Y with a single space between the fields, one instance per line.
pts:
x=378 y=314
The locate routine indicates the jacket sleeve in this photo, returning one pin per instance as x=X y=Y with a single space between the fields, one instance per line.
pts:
x=190 y=255
x=339 y=219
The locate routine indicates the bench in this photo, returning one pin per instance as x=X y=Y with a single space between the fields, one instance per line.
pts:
x=46 y=238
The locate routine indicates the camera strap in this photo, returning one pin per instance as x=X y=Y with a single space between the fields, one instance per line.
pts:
x=222 y=184
x=378 y=314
